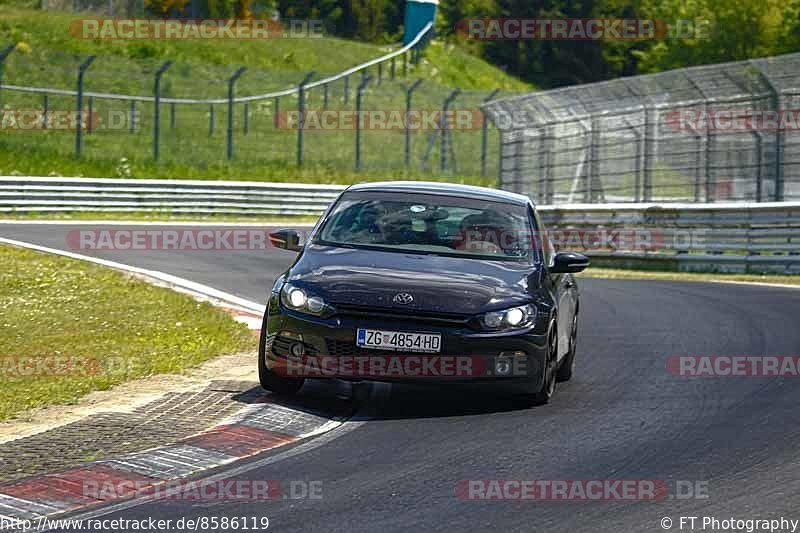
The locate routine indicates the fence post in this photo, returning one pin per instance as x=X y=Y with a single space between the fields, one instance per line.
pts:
x=246 y=118
x=157 y=107
x=3 y=56
x=325 y=96
x=707 y=155
x=172 y=116
x=393 y=70
x=211 y=120
x=301 y=108
x=346 y=89
x=359 y=94
x=79 y=129
x=409 y=93
x=484 y=132
x=780 y=137
x=647 y=179
x=133 y=116
x=46 y=106
x=380 y=73
x=594 y=161
x=405 y=64
x=90 y=116
x=231 y=83
x=277 y=111
x=443 y=127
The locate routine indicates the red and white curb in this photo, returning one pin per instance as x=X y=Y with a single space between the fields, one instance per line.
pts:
x=255 y=429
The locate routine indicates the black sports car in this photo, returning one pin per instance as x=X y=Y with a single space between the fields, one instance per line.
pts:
x=425 y=282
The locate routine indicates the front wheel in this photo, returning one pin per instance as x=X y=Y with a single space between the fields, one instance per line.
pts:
x=549 y=379
x=567 y=367
x=268 y=379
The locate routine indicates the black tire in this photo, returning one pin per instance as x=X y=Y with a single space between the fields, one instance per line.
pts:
x=567 y=367
x=268 y=379
x=549 y=381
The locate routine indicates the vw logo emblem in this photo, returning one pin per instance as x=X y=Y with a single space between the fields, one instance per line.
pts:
x=403 y=298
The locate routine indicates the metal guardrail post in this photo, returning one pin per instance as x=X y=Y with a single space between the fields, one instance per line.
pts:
x=231 y=83
x=447 y=101
x=485 y=131
x=409 y=93
x=157 y=107
x=301 y=108
x=3 y=55
x=359 y=94
x=79 y=126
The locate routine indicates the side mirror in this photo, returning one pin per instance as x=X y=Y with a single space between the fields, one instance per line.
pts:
x=569 y=263
x=288 y=239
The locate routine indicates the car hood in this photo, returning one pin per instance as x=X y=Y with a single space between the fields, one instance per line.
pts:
x=438 y=284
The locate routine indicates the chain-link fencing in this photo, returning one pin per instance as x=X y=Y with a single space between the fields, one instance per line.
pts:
x=377 y=117
x=728 y=132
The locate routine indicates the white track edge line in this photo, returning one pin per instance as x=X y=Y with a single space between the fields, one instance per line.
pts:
x=174 y=281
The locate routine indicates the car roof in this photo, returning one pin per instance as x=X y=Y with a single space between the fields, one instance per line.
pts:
x=433 y=187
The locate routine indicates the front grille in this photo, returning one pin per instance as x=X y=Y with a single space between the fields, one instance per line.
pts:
x=337 y=348
x=446 y=319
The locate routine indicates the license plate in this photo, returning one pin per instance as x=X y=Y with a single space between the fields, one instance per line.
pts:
x=399 y=340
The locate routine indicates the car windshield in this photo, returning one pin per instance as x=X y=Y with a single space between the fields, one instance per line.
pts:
x=423 y=223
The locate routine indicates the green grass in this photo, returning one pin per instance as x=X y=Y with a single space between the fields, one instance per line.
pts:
x=612 y=273
x=47 y=55
x=42 y=30
x=51 y=306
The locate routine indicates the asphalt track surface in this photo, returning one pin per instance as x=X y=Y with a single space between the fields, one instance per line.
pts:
x=622 y=417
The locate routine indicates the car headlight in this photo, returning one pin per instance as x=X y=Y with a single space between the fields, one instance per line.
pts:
x=513 y=318
x=300 y=300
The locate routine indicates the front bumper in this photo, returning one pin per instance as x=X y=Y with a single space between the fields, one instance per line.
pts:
x=299 y=345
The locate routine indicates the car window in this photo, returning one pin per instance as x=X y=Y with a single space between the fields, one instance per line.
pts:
x=423 y=223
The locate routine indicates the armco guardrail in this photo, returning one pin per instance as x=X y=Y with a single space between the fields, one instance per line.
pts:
x=18 y=195
x=733 y=237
